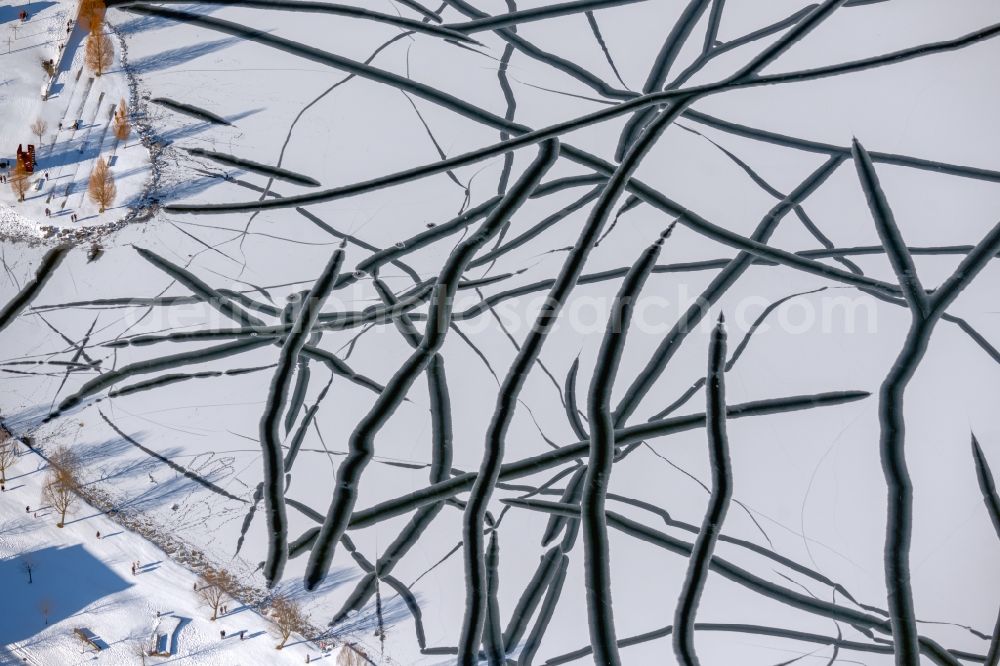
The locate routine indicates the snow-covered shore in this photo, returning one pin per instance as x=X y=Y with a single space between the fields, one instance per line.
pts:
x=81 y=578
x=77 y=115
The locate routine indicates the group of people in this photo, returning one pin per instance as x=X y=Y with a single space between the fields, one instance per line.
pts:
x=72 y=216
x=222 y=634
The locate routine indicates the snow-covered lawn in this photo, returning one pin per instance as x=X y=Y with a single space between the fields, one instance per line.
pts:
x=81 y=581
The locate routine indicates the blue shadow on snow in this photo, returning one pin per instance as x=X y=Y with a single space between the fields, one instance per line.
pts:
x=10 y=11
x=68 y=578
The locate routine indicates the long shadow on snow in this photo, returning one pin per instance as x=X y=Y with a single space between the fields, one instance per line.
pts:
x=190 y=187
x=120 y=462
x=67 y=152
x=367 y=620
x=179 y=56
x=68 y=578
x=147 y=23
x=9 y=12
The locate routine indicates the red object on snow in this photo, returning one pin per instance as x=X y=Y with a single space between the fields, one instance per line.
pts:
x=26 y=158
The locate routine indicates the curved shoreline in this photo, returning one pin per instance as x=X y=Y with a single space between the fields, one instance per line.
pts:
x=25 y=230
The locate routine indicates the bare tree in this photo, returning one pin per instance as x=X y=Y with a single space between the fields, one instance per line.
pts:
x=8 y=454
x=45 y=608
x=288 y=616
x=65 y=463
x=99 y=53
x=38 y=128
x=61 y=483
x=60 y=497
x=138 y=648
x=19 y=182
x=213 y=587
x=102 y=188
x=352 y=655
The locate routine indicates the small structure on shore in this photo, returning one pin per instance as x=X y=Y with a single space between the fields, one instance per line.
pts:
x=26 y=158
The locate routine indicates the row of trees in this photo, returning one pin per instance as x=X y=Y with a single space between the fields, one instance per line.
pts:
x=99 y=56
x=216 y=585
x=101 y=188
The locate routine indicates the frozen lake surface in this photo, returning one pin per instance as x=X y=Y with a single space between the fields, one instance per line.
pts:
x=394 y=320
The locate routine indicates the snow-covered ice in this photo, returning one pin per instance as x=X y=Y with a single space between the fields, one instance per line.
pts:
x=156 y=359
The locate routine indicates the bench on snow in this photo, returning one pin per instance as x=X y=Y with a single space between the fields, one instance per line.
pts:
x=160 y=648
x=90 y=638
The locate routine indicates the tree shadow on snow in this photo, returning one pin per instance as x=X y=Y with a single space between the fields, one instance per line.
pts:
x=147 y=23
x=368 y=619
x=181 y=55
x=126 y=462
